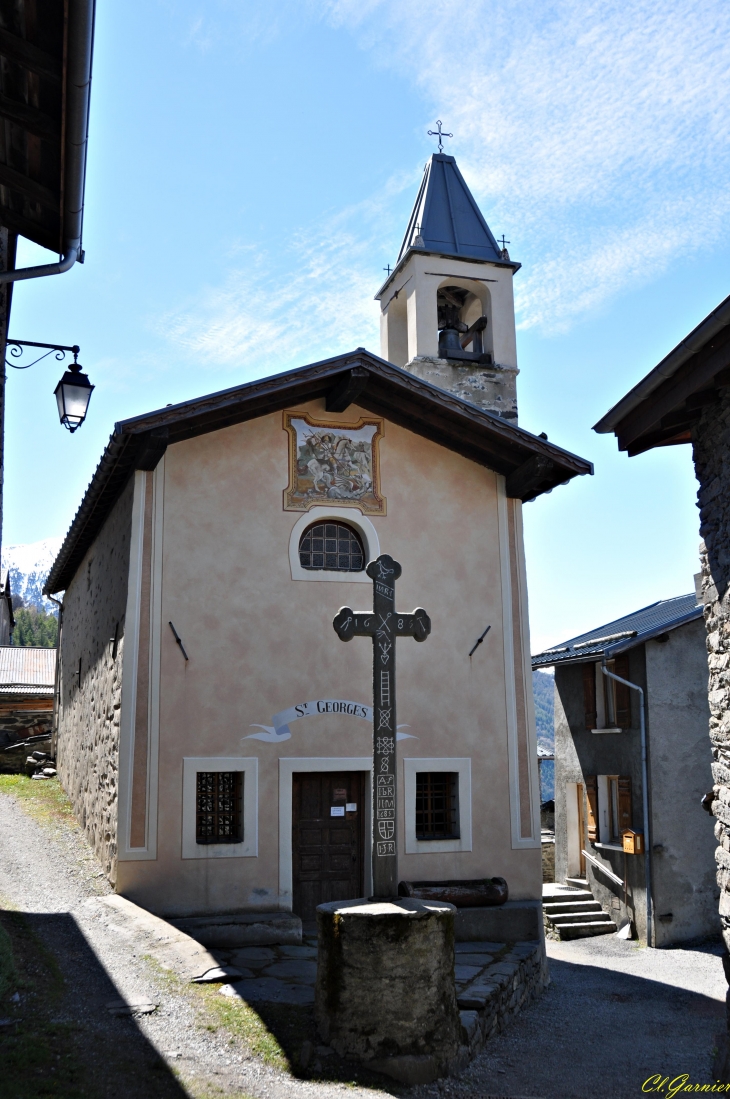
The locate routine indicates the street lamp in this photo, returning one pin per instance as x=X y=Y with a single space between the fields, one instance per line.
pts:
x=73 y=394
x=74 y=390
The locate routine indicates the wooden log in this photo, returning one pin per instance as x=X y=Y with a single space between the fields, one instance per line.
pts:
x=474 y=893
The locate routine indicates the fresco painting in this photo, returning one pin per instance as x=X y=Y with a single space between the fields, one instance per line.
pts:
x=333 y=461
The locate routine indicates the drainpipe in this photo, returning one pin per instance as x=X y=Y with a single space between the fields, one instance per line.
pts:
x=78 y=90
x=56 y=678
x=644 y=798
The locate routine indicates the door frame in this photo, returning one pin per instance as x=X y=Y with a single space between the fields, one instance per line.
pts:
x=580 y=791
x=574 y=829
x=287 y=767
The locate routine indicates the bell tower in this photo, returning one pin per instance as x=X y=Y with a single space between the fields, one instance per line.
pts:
x=447 y=308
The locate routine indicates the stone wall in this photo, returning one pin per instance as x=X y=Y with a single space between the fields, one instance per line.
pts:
x=87 y=750
x=711 y=448
x=492 y=387
x=24 y=719
x=548 y=859
x=510 y=985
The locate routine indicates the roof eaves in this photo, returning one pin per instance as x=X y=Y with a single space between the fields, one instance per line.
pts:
x=713 y=323
x=105 y=487
x=482 y=436
x=326 y=371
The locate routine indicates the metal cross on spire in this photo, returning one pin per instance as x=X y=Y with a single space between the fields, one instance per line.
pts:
x=439 y=134
x=503 y=242
x=384 y=625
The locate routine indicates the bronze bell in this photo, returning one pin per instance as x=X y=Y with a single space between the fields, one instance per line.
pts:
x=449 y=340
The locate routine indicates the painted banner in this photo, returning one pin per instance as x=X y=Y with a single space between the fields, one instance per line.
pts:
x=279 y=729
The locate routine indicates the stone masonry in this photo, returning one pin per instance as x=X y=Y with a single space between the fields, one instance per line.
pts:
x=493 y=387
x=87 y=751
x=385 y=984
x=711 y=451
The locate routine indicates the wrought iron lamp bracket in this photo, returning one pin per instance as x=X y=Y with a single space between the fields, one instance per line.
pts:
x=17 y=348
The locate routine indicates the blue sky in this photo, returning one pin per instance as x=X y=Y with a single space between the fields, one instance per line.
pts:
x=251 y=172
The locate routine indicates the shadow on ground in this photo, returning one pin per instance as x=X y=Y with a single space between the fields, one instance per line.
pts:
x=57 y=1037
x=601 y=1032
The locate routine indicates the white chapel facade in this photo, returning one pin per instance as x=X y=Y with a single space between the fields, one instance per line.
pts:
x=213 y=733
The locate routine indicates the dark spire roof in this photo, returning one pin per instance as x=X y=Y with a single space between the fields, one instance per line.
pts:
x=450 y=220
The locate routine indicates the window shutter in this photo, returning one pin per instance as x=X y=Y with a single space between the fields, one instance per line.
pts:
x=623 y=694
x=624 y=802
x=591 y=782
x=589 y=695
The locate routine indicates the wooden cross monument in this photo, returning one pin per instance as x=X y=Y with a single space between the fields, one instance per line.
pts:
x=384 y=624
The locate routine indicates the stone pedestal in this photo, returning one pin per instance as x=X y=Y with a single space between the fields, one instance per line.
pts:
x=385 y=985
x=493 y=387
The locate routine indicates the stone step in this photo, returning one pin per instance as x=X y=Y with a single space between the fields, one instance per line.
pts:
x=585 y=930
x=578 y=883
x=549 y=890
x=556 y=907
x=593 y=916
x=243 y=929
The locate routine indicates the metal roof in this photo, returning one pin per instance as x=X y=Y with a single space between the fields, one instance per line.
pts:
x=623 y=633
x=446 y=217
x=531 y=464
x=26 y=691
x=26 y=666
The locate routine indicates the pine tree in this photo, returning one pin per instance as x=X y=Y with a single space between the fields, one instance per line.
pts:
x=34 y=627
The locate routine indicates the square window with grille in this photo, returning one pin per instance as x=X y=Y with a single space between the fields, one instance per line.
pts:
x=437 y=805
x=219 y=807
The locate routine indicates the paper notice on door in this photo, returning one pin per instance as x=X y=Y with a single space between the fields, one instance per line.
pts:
x=351 y=807
x=337 y=810
x=339 y=795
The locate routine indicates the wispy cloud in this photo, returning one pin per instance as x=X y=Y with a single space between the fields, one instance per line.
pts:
x=316 y=292
x=597 y=136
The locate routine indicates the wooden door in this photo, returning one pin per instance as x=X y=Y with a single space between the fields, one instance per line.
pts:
x=327 y=849
x=581 y=829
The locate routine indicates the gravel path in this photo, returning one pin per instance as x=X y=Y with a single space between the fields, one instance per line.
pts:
x=613 y=1016
x=50 y=875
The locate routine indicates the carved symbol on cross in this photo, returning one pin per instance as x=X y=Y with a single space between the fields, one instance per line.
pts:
x=384 y=625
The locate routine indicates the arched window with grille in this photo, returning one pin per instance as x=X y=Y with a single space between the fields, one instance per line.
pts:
x=333 y=546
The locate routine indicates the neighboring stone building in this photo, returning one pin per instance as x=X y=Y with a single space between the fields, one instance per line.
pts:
x=216 y=542
x=686 y=399
x=599 y=788
x=26 y=700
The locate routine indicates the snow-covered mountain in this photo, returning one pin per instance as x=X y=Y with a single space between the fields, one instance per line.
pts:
x=29 y=566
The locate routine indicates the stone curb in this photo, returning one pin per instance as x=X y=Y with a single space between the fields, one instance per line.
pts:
x=169 y=946
x=492 y=1000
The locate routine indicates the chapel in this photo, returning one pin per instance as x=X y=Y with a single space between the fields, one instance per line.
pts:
x=213 y=732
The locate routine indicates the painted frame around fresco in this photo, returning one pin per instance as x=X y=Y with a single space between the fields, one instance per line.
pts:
x=333 y=462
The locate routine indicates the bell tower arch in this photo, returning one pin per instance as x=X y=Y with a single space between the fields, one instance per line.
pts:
x=447 y=308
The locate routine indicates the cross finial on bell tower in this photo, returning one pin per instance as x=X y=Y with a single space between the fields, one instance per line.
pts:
x=447 y=308
x=439 y=134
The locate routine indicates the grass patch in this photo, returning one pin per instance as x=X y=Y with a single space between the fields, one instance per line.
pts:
x=277 y=1032
x=240 y=1020
x=44 y=800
